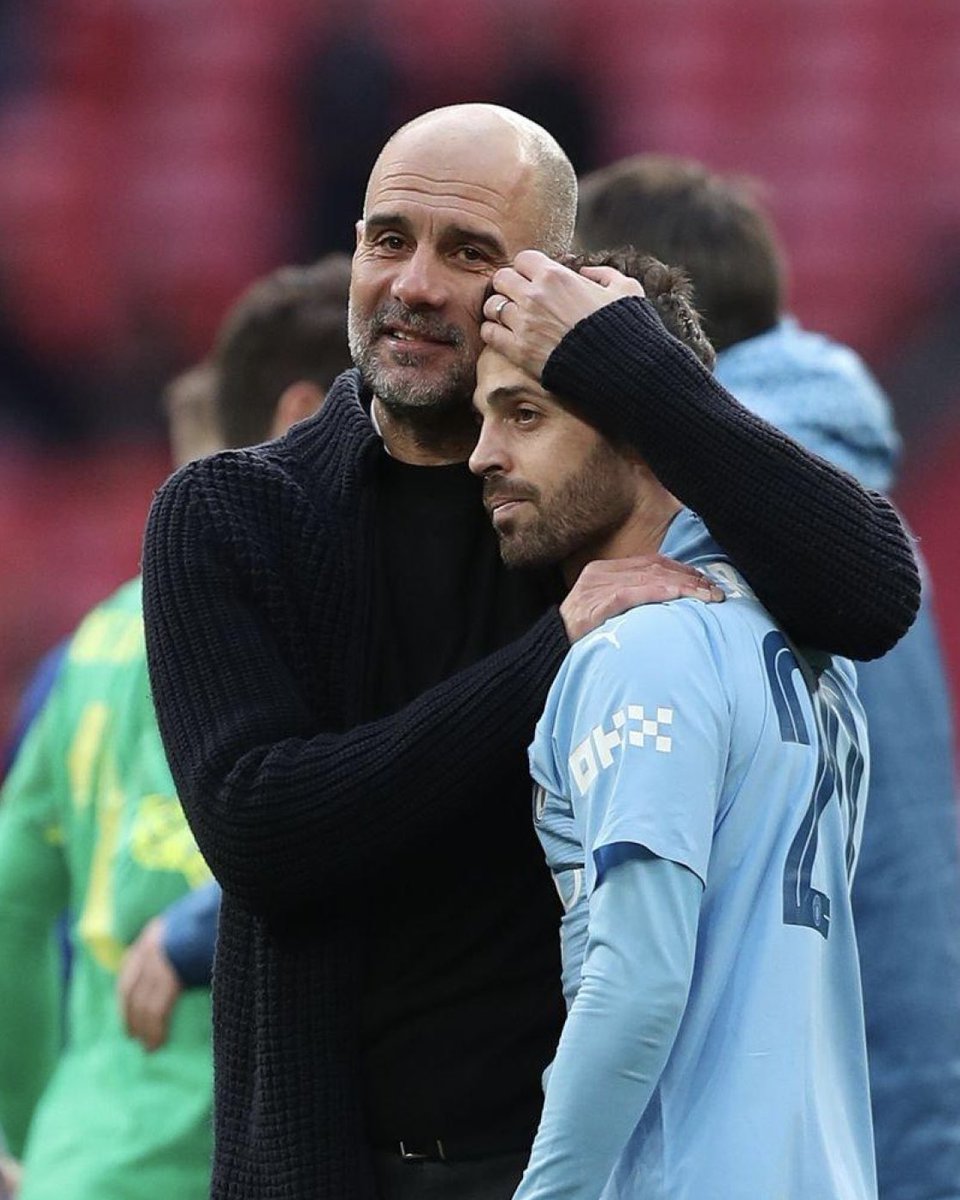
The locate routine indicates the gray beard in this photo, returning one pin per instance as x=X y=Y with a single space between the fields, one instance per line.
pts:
x=406 y=396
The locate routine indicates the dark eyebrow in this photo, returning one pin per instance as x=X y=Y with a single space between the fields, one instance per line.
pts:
x=452 y=234
x=386 y=221
x=487 y=241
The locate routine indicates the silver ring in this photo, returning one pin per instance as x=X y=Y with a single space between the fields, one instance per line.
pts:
x=498 y=311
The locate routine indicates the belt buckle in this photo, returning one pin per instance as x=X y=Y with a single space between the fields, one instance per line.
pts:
x=421 y=1156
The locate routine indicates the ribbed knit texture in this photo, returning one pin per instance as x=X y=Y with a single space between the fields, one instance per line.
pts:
x=257 y=581
x=256 y=590
x=829 y=559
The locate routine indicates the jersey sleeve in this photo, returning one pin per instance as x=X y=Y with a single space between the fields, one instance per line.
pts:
x=618 y=1035
x=641 y=731
x=190 y=934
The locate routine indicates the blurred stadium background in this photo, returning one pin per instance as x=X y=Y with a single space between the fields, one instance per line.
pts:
x=157 y=155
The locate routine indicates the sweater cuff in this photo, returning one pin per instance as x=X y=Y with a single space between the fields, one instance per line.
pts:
x=623 y=367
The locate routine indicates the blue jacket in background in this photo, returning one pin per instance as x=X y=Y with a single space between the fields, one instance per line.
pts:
x=907 y=888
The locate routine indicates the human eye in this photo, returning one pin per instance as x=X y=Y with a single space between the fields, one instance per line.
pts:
x=526 y=415
x=390 y=242
x=471 y=256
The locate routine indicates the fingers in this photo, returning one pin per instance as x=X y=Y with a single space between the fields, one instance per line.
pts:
x=11 y=1175
x=127 y=985
x=652 y=568
x=148 y=1009
x=531 y=263
x=607 y=589
x=147 y=990
x=506 y=283
x=496 y=308
x=608 y=277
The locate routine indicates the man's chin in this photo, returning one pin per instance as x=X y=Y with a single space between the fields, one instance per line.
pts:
x=521 y=556
x=404 y=389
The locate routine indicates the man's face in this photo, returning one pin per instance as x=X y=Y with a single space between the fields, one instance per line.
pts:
x=555 y=489
x=444 y=211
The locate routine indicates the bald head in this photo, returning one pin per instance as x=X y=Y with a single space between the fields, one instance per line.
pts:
x=465 y=140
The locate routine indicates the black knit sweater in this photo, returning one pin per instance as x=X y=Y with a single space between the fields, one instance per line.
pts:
x=257 y=595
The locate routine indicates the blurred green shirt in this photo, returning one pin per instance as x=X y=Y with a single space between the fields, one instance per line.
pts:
x=90 y=823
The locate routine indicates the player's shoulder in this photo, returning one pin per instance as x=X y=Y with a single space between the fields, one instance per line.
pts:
x=687 y=621
x=670 y=641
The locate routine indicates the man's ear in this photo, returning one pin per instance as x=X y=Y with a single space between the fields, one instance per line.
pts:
x=299 y=401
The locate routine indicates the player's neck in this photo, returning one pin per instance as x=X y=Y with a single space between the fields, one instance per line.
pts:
x=426 y=439
x=642 y=532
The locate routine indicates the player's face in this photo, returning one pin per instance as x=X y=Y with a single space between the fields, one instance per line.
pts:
x=554 y=488
x=443 y=213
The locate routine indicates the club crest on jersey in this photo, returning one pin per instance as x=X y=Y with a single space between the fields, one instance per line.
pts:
x=631 y=726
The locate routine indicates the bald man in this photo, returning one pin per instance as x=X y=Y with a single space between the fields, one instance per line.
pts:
x=347 y=678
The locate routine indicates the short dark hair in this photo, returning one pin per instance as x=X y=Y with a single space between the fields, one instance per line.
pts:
x=667 y=288
x=712 y=225
x=288 y=327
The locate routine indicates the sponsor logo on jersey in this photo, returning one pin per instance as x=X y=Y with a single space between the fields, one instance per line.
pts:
x=632 y=725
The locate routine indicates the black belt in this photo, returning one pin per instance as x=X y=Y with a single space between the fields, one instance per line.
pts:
x=456 y=1149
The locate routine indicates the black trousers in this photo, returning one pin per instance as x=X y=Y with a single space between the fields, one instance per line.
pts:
x=473 y=1179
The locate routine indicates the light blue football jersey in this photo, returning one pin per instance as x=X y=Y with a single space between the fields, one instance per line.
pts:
x=696 y=731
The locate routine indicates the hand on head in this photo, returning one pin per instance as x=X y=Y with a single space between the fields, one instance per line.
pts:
x=537 y=300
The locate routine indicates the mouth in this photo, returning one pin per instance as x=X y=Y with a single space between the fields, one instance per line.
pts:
x=501 y=508
x=407 y=339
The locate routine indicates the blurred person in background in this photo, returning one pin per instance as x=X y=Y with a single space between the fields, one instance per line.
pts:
x=90 y=823
x=907 y=893
x=347 y=679
x=89 y=820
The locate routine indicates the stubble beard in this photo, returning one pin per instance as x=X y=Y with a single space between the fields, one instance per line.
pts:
x=584 y=512
x=405 y=393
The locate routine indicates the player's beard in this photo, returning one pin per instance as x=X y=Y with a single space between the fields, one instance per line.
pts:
x=397 y=383
x=584 y=511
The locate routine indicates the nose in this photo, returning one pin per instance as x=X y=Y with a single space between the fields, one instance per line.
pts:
x=420 y=280
x=489 y=454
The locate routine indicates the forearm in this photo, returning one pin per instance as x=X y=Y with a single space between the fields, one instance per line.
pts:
x=621 y=1026
x=829 y=559
x=285 y=811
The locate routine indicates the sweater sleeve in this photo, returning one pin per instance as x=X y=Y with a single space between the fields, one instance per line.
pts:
x=286 y=812
x=830 y=560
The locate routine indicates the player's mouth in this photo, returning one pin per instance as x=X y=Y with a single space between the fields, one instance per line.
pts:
x=502 y=505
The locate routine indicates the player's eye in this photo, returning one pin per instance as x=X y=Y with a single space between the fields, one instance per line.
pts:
x=526 y=415
x=470 y=254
